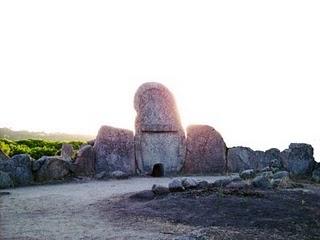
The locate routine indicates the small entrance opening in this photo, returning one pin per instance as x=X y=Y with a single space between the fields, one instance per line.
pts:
x=157 y=170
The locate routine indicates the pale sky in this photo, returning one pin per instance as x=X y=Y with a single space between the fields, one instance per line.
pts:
x=250 y=69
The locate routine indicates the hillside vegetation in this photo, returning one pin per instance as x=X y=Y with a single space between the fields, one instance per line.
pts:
x=36 y=148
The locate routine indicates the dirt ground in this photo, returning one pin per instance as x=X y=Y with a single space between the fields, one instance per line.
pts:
x=71 y=211
x=117 y=209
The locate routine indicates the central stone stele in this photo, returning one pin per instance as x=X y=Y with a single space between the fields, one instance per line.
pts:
x=159 y=136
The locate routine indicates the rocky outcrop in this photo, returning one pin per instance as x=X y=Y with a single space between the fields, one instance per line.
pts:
x=114 y=151
x=51 y=168
x=84 y=164
x=159 y=138
x=206 y=151
x=272 y=158
x=5 y=180
x=19 y=168
x=67 y=151
x=241 y=158
x=298 y=159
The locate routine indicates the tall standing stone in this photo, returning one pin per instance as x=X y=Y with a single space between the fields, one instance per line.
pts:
x=114 y=151
x=159 y=136
x=206 y=151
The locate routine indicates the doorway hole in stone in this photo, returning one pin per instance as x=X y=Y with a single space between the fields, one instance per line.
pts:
x=157 y=170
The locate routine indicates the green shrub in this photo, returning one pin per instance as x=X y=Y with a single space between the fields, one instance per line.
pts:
x=35 y=147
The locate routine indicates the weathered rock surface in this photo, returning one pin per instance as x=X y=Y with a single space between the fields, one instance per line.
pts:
x=67 y=151
x=271 y=158
x=267 y=174
x=281 y=174
x=119 y=175
x=19 y=167
x=241 y=158
x=156 y=109
x=280 y=180
x=202 y=184
x=159 y=136
x=5 y=180
x=189 y=183
x=247 y=174
x=206 y=151
x=101 y=175
x=261 y=182
x=85 y=162
x=316 y=175
x=114 y=150
x=225 y=181
x=51 y=168
x=298 y=159
x=175 y=185
x=160 y=190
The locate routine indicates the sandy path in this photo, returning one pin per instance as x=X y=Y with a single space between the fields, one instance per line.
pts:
x=67 y=211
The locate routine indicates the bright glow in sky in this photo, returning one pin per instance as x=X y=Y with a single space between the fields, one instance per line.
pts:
x=251 y=69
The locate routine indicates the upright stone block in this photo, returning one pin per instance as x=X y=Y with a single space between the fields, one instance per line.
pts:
x=84 y=164
x=206 y=151
x=114 y=151
x=159 y=136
